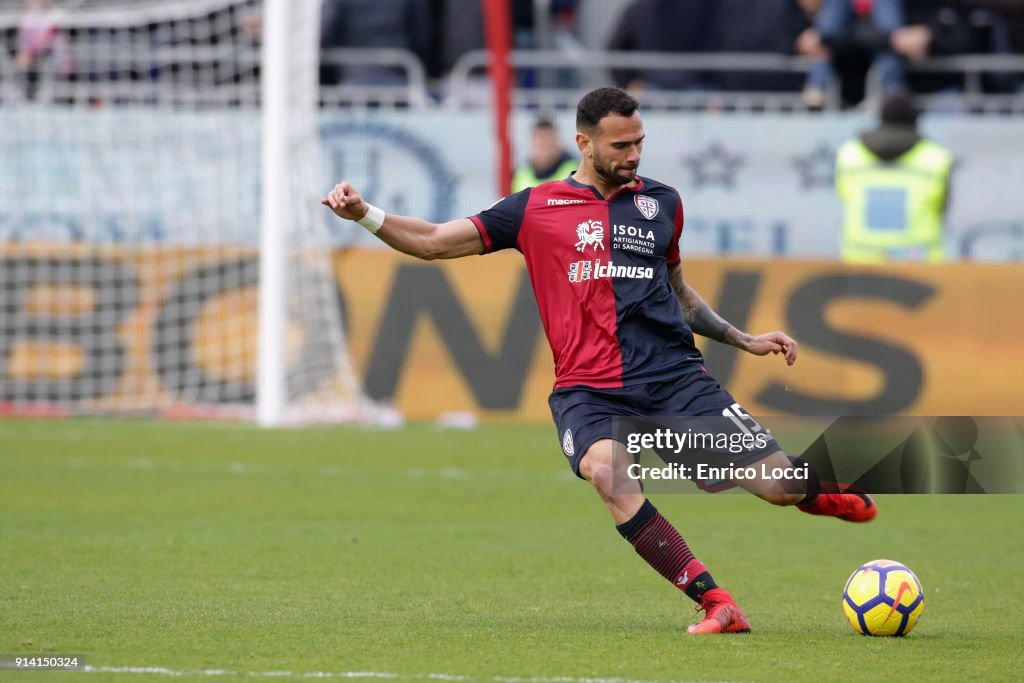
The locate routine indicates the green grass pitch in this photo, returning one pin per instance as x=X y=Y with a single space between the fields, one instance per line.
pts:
x=222 y=552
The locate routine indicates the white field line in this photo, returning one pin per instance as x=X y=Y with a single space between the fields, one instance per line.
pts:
x=144 y=464
x=162 y=671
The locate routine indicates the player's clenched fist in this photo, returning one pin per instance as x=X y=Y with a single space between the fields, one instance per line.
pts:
x=345 y=201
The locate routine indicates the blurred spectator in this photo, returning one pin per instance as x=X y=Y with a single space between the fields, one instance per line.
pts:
x=528 y=35
x=548 y=159
x=565 y=38
x=1011 y=12
x=757 y=26
x=251 y=24
x=562 y=17
x=461 y=30
x=736 y=26
x=373 y=24
x=942 y=29
x=947 y=28
x=855 y=32
x=895 y=188
x=43 y=49
x=663 y=26
x=810 y=45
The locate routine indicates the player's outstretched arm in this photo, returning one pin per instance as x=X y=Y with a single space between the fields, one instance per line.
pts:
x=413 y=236
x=705 y=322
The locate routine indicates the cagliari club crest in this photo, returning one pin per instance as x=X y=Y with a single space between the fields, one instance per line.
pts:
x=648 y=206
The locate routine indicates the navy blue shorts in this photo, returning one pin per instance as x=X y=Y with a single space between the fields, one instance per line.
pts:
x=584 y=415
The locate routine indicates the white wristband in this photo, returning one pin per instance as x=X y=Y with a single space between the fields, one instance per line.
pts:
x=374 y=218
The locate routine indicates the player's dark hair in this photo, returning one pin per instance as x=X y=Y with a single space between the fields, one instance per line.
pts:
x=544 y=124
x=599 y=103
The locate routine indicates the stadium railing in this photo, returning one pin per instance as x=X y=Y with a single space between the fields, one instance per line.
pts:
x=145 y=74
x=8 y=83
x=189 y=75
x=593 y=67
x=413 y=94
x=971 y=97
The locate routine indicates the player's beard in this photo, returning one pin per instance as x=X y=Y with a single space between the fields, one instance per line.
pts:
x=612 y=176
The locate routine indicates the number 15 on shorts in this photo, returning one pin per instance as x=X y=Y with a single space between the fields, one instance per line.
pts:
x=742 y=419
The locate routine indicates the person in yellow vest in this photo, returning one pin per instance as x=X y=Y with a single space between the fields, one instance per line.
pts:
x=548 y=159
x=894 y=184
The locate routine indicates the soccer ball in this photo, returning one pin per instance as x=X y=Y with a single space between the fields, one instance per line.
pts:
x=883 y=598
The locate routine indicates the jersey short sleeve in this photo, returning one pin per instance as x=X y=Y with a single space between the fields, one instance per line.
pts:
x=499 y=225
x=672 y=256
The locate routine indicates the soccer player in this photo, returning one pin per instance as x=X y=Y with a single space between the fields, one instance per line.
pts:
x=602 y=250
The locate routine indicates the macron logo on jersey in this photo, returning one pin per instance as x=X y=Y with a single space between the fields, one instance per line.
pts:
x=563 y=202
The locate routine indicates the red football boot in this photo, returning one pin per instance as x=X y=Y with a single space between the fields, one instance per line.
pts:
x=852 y=507
x=723 y=615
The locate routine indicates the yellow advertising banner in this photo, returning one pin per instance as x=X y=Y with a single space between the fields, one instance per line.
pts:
x=122 y=329
x=148 y=328
x=901 y=339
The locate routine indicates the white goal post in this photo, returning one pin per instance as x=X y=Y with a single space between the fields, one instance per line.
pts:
x=282 y=95
x=163 y=247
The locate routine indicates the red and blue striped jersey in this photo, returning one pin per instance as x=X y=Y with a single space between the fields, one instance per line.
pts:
x=599 y=272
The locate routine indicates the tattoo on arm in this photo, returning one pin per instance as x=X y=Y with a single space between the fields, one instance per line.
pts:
x=699 y=316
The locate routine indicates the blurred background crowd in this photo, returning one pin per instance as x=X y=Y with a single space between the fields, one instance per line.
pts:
x=837 y=47
x=844 y=40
